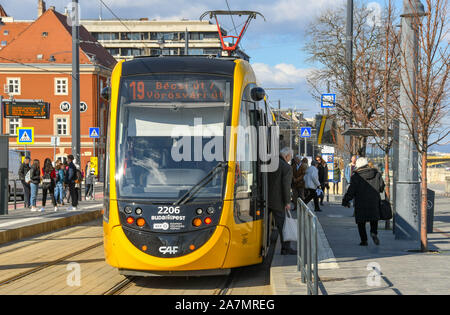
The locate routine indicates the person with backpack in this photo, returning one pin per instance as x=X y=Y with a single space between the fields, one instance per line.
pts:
x=23 y=170
x=71 y=177
x=59 y=185
x=35 y=176
x=48 y=183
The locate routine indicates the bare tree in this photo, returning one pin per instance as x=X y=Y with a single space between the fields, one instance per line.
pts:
x=427 y=88
x=359 y=102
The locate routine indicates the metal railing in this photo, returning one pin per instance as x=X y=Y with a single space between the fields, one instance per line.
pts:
x=307 y=261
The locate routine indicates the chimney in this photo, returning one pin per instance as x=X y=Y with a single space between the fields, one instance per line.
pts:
x=41 y=7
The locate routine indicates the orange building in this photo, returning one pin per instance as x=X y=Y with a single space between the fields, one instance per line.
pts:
x=36 y=64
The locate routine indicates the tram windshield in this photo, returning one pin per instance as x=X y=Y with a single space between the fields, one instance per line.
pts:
x=170 y=137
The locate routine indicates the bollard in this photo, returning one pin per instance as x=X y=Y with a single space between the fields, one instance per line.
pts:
x=15 y=196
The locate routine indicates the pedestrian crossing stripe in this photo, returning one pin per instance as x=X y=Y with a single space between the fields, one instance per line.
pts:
x=25 y=135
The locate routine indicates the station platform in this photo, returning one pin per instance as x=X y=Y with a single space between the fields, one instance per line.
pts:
x=21 y=223
x=345 y=268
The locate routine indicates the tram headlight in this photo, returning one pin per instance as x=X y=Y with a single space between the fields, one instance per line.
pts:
x=197 y=222
x=210 y=210
x=130 y=220
x=208 y=220
x=128 y=209
x=140 y=222
x=199 y=211
x=138 y=211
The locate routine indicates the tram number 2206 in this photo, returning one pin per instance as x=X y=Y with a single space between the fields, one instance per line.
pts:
x=168 y=210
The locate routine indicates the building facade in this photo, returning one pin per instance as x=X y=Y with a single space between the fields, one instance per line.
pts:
x=36 y=64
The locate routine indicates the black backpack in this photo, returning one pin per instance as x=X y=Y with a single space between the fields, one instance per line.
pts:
x=46 y=181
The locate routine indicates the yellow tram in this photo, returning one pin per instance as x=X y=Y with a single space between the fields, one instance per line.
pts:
x=185 y=189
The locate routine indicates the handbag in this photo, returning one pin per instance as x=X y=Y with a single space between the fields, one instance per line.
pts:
x=28 y=177
x=290 y=228
x=385 y=209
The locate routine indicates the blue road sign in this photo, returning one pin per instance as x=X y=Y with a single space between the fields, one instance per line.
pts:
x=305 y=132
x=328 y=100
x=94 y=132
x=25 y=135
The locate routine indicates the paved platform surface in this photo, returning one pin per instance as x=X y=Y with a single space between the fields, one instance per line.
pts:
x=347 y=268
x=21 y=223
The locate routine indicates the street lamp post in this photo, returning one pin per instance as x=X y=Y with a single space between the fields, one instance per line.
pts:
x=407 y=216
x=75 y=19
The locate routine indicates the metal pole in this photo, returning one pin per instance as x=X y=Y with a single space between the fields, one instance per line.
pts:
x=75 y=82
x=349 y=61
x=1 y=115
x=408 y=188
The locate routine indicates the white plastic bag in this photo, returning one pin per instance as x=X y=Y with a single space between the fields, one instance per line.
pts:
x=290 y=228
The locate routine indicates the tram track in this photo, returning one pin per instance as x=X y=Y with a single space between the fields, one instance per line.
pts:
x=43 y=266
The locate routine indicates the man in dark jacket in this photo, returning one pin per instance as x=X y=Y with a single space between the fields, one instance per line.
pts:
x=366 y=184
x=71 y=177
x=23 y=170
x=280 y=195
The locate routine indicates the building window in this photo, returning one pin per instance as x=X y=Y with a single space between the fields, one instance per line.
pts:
x=14 y=123
x=5 y=32
x=113 y=51
x=13 y=85
x=61 y=86
x=131 y=52
x=62 y=126
x=4 y=42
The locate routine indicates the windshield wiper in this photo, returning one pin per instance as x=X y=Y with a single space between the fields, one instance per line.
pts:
x=202 y=183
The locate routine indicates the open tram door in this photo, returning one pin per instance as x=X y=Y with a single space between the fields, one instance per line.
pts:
x=260 y=116
x=232 y=46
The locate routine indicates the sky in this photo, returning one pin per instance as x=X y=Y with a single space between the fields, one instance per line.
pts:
x=274 y=44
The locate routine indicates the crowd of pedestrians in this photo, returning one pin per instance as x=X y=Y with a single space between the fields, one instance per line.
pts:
x=295 y=179
x=59 y=181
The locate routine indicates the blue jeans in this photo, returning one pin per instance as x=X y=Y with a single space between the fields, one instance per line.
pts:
x=59 y=190
x=34 y=191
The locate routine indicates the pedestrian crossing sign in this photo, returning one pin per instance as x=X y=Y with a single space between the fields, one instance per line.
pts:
x=94 y=132
x=305 y=132
x=25 y=135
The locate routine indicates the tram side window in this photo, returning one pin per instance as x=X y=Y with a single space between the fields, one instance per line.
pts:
x=246 y=161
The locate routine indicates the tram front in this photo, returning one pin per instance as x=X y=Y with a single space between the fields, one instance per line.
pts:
x=170 y=172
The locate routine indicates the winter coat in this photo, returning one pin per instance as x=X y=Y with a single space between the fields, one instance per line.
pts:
x=366 y=184
x=280 y=186
x=298 y=174
x=312 y=178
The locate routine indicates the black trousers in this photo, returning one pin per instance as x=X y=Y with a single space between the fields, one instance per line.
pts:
x=363 y=232
x=51 y=190
x=73 y=194
x=26 y=193
x=279 y=217
x=310 y=195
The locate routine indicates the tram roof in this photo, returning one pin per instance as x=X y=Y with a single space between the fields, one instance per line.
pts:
x=178 y=64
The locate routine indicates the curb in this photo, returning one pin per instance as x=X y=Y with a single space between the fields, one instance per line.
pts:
x=48 y=226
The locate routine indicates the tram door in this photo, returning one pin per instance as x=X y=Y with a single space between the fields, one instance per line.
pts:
x=258 y=120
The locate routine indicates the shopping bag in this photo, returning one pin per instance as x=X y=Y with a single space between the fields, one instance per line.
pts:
x=290 y=228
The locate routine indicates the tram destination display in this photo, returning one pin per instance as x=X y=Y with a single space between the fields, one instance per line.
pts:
x=26 y=109
x=201 y=90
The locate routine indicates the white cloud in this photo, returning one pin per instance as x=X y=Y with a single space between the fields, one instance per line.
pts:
x=280 y=75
